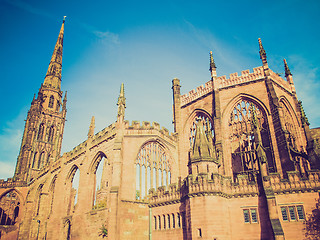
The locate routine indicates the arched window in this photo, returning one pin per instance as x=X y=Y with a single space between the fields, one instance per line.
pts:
x=41 y=131
x=67 y=229
x=51 y=102
x=34 y=160
x=101 y=182
x=74 y=189
x=9 y=208
x=58 y=106
x=51 y=134
x=40 y=161
x=243 y=145
x=153 y=169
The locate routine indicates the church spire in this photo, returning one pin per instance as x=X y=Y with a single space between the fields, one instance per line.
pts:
x=121 y=104
x=53 y=76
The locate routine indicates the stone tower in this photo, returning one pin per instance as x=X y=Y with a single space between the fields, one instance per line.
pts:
x=43 y=131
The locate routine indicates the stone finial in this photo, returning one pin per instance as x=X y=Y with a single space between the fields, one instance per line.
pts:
x=263 y=55
x=121 y=103
x=212 y=66
x=304 y=118
x=91 y=128
x=286 y=68
x=64 y=105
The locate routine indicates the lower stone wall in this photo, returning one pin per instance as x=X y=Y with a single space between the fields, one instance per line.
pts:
x=134 y=220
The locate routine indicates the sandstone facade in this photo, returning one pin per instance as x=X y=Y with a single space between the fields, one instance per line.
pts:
x=242 y=163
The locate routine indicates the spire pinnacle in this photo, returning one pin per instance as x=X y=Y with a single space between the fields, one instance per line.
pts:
x=263 y=55
x=212 y=66
x=64 y=106
x=53 y=76
x=121 y=103
x=91 y=128
x=286 y=68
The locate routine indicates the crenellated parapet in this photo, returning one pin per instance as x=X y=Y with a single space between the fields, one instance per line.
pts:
x=147 y=128
x=11 y=183
x=295 y=183
x=233 y=80
x=196 y=93
x=219 y=185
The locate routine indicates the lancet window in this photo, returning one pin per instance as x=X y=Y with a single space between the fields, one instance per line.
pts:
x=101 y=182
x=74 y=182
x=243 y=143
x=41 y=131
x=9 y=208
x=34 y=159
x=40 y=162
x=51 y=134
x=153 y=169
x=208 y=126
x=51 y=102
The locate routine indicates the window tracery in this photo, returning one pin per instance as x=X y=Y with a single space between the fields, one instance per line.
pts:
x=9 y=208
x=244 y=159
x=153 y=169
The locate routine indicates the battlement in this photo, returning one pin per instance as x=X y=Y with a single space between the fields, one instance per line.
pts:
x=11 y=183
x=196 y=93
x=146 y=126
x=216 y=184
x=234 y=79
x=105 y=133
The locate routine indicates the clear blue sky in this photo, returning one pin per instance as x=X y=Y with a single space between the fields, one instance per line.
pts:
x=144 y=44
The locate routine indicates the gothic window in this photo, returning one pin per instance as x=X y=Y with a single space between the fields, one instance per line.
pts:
x=9 y=208
x=153 y=169
x=51 y=102
x=51 y=134
x=58 y=106
x=41 y=131
x=101 y=182
x=208 y=126
x=243 y=145
x=34 y=160
x=67 y=228
x=40 y=161
x=74 y=189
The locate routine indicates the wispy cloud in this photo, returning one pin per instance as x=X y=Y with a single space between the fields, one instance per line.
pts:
x=10 y=139
x=29 y=8
x=107 y=36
